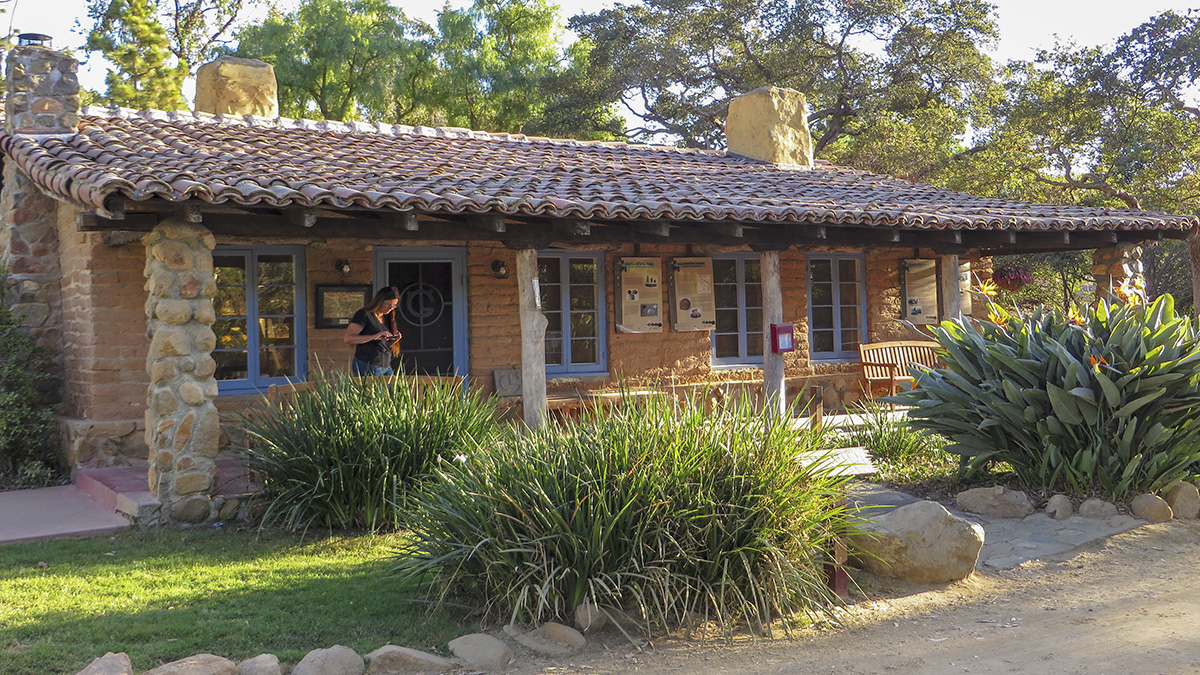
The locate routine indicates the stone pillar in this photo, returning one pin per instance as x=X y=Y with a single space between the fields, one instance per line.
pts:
x=182 y=426
x=774 y=392
x=533 y=339
x=1112 y=266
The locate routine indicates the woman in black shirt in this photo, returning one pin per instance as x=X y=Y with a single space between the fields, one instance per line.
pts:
x=371 y=333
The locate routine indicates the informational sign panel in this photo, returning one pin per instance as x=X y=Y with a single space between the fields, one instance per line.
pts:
x=692 y=305
x=639 y=295
x=964 y=282
x=920 y=292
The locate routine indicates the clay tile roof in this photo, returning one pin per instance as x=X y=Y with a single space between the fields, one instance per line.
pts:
x=142 y=155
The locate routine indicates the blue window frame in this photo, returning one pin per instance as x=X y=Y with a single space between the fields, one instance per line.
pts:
x=837 y=305
x=737 y=339
x=260 y=310
x=571 y=292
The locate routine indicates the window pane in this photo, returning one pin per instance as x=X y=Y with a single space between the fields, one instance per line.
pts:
x=230 y=301
x=549 y=271
x=754 y=322
x=275 y=269
x=230 y=365
x=850 y=317
x=753 y=295
x=584 y=351
x=276 y=331
x=583 y=325
x=822 y=294
x=548 y=296
x=554 y=352
x=754 y=344
x=554 y=324
x=583 y=271
x=277 y=362
x=822 y=341
x=583 y=297
x=230 y=270
x=848 y=270
x=726 y=346
x=231 y=333
x=822 y=317
x=753 y=273
x=725 y=295
x=727 y=321
x=820 y=270
x=849 y=340
x=725 y=271
x=276 y=300
x=849 y=293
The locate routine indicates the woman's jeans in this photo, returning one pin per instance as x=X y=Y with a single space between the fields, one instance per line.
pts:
x=361 y=368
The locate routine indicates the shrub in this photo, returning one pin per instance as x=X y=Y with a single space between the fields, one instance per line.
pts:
x=26 y=424
x=656 y=507
x=344 y=454
x=1105 y=399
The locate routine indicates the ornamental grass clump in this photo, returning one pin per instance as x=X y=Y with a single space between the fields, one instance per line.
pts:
x=1106 y=399
x=673 y=514
x=345 y=454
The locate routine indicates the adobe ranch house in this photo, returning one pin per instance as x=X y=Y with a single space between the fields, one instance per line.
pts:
x=179 y=263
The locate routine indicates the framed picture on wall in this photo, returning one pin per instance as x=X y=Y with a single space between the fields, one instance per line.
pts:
x=336 y=304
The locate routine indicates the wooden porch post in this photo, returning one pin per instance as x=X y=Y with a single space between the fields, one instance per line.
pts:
x=533 y=339
x=951 y=288
x=774 y=393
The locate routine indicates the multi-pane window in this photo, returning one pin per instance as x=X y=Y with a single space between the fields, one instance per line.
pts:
x=260 y=335
x=572 y=300
x=737 y=292
x=836 y=302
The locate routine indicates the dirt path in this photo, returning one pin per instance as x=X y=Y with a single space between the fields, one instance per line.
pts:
x=1127 y=605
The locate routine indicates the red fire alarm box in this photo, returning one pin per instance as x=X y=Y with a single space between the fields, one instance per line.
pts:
x=782 y=338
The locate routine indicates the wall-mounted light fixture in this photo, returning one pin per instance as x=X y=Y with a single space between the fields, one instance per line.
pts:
x=342 y=265
x=500 y=268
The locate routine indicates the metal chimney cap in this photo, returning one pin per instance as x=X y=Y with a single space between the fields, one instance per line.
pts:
x=35 y=40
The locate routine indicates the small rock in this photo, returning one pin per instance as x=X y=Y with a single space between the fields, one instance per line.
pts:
x=1097 y=508
x=1060 y=507
x=200 y=664
x=996 y=501
x=551 y=639
x=109 y=664
x=263 y=664
x=921 y=542
x=589 y=618
x=1152 y=508
x=393 y=660
x=337 y=660
x=1184 y=499
x=482 y=651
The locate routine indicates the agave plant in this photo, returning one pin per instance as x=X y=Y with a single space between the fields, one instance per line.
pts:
x=1106 y=398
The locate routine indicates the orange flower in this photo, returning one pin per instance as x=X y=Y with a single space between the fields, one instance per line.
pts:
x=1076 y=318
x=1098 y=359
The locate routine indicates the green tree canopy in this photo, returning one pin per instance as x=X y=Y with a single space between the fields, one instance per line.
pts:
x=145 y=73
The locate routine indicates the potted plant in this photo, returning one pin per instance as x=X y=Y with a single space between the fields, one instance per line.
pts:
x=1011 y=276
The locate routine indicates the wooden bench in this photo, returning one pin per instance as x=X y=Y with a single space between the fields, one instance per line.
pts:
x=888 y=362
x=279 y=393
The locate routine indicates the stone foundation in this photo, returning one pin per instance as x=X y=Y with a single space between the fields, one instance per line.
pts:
x=90 y=444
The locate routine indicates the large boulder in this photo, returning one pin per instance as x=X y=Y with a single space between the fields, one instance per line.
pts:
x=550 y=639
x=263 y=664
x=200 y=664
x=1151 y=507
x=482 y=652
x=1097 y=508
x=109 y=664
x=921 y=542
x=996 y=501
x=393 y=660
x=1184 y=499
x=1060 y=507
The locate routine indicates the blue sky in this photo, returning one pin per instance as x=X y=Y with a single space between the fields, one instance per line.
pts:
x=1025 y=25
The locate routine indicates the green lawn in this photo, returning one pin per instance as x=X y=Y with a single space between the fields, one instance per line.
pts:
x=165 y=594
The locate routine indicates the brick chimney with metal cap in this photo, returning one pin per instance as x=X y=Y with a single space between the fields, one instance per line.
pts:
x=43 y=88
x=770 y=124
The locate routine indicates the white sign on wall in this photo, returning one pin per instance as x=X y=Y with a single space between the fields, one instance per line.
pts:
x=920 y=292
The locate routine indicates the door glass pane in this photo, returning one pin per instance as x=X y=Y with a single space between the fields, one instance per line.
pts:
x=849 y=340
x=820 y=270
x=276 y=331
x=230 y=301
x=276 y=300
x=230 y=270
x=549 y=271
x=583 y=271
x=753 y=295
x=848 y=270
x=850 y=316
x=753 y=274
x=231 y=333
x=583 y=297
x=754 y=344
x=822 y=317
x=548 y=296
x=725 y=271
x=754 y=321
x=726 y=346
x=277 y=362
x=583 y=325
x=554 y=352
x=849 y=293
x=822 y=294
x=725 y=295
x=822 y=341
x=727 y=321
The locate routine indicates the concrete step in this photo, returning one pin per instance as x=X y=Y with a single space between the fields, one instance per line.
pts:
x=60 y=511
x=124 y=489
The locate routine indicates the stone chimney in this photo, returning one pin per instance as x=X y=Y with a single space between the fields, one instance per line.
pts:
x=770 y=124
x=43 y=91
x=233 y=86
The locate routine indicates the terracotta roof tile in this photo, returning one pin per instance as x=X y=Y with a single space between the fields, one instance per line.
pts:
x=281 y=162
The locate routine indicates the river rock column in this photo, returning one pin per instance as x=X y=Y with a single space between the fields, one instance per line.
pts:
x=182 y=425
x=1112 y=266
